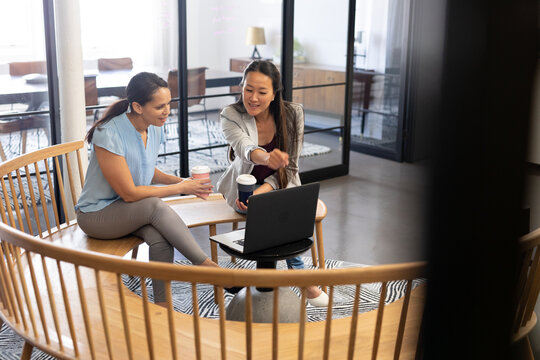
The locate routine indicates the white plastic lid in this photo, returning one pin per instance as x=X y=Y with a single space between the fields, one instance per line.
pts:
x=200 y=169
x=246 y=179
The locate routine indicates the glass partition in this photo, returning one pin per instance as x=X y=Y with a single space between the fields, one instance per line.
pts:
x=24 y=93
x=115 y=48
x=380 y=44
x=319 y=78
x=221 y=38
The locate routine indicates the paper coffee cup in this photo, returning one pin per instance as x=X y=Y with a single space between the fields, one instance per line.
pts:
x=200 y=172
x=246 y=184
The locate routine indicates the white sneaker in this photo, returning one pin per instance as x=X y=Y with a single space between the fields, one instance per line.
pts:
x=321 y=300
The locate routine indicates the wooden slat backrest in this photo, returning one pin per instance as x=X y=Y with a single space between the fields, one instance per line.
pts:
x=29 y=201
x=99 y=317
x=29 y=67
x=196 y=84
x=527 y=281
x=72 y=303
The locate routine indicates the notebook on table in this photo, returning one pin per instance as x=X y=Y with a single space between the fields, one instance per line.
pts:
x=275 y=218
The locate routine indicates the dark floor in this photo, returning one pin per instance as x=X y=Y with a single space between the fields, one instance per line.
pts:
x=374 y=213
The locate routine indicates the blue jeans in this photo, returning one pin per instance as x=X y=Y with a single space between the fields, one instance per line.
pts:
x=295 y=263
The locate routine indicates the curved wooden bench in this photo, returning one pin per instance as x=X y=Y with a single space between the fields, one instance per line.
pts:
x=72 y=304
x=68 y=300
x=36 y=210
x=29 y=215
x=526 y=292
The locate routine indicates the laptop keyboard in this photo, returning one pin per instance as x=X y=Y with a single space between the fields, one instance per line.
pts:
x=239 y=242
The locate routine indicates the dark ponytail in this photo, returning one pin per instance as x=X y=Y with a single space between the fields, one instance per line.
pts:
x=140 y=89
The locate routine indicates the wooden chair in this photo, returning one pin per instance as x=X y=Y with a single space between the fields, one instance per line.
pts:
x=526 y=292
x=107 y=64
x=196 y=87
x=90 y=92
x=27 y=67
x=62 y=292
x=29 y=203
x=111 y=64
x=72 y=304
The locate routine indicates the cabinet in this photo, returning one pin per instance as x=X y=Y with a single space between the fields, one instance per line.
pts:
x=329 y=99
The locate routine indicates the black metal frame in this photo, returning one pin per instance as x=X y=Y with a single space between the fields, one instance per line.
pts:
x=54 y=91
x=182 y=88
x=286 y=72
x=287 y=77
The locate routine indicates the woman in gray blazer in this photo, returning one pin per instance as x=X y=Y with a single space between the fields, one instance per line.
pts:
x=265 y=134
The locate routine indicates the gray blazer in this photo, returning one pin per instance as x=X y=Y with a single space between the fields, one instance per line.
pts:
x=241 y=133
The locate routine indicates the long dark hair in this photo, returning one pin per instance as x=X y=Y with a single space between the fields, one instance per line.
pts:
x=140 y=89
x=282 y=111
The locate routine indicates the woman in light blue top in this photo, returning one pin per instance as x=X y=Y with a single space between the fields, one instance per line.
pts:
x=117 y=198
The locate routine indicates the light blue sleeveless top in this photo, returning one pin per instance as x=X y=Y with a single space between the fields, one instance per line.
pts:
x=120 y=137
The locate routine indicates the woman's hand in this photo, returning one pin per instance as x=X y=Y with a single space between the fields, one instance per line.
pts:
x=260 y=190
x=199 y=187
x=241 y=205
x=274 y=159
x=277 y=159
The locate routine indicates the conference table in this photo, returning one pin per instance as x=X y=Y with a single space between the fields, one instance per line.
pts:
x=34 y=91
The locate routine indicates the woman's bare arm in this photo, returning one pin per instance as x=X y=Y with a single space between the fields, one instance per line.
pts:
x=116 y=171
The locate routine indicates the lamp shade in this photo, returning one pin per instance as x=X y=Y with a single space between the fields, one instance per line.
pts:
x=255 y=36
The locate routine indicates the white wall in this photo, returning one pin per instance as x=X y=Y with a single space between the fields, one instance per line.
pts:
x=321 y=28
x=217 y=30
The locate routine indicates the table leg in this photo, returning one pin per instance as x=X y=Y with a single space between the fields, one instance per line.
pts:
x=213 y=255
x=266 y=265
x=213 y=245
x=2 y=153
x=234 y=227
x=23 y=141
x=314 y=255
x=134 y=252
x=320 y=246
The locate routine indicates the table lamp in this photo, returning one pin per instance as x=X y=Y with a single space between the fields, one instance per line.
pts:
x=255 y=36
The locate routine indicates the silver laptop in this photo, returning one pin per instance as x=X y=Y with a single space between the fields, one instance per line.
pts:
x=275 y=218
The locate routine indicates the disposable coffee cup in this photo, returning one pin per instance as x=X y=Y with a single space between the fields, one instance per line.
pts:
x=246 y=184
x=200 y=172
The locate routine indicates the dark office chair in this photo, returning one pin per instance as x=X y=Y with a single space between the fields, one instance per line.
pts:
x=196 y=87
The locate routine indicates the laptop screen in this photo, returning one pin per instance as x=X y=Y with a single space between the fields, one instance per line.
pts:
x=281 y=216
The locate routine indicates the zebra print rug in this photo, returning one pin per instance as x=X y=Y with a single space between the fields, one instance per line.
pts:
x=343 y=295
x=11 y=345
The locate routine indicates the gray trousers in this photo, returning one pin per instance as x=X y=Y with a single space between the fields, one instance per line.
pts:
x=150 y=219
